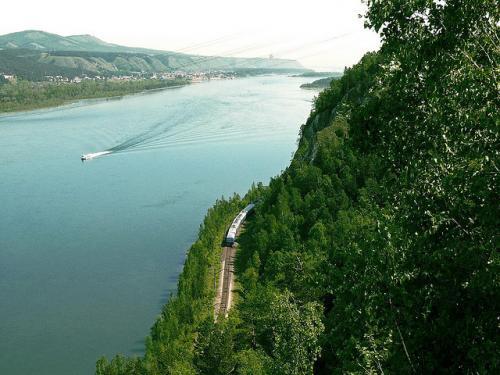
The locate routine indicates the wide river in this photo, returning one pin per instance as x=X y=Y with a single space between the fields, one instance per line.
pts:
x=89 y=252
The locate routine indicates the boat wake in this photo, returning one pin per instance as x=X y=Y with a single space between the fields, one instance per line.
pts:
x=155 y=135
x=188 y=129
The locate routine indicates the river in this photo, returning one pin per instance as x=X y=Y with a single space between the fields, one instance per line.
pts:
x=90 y=251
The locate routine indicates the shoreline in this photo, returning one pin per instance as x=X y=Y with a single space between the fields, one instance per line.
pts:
x=69 y=102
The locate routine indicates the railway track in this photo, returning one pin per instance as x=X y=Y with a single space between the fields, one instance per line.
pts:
x=224 y=295
x=226 y=281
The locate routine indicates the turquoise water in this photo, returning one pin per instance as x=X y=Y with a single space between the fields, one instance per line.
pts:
x=89 y=252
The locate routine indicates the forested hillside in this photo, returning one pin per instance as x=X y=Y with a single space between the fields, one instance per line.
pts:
x=25 y=64
x=376 y=251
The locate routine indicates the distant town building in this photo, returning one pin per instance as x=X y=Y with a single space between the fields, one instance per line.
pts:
x=9 y=77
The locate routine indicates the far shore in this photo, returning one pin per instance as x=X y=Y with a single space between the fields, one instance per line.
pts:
x=56 y=103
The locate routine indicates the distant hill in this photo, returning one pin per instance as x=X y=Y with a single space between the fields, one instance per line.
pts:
x=85 y=54
x=43 y=41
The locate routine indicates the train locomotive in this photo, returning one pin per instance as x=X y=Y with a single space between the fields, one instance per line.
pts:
x=235 y=225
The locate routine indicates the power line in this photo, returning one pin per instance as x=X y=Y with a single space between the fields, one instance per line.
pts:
x=254 y=46
x=208 y=42
x=306 y=46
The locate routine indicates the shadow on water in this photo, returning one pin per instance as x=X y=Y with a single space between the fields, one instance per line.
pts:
x=167 y=201
x=173 y=278
x=138 y=347
x=165 y=296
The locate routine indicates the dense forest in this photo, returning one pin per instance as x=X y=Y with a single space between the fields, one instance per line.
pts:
x=24 y=95
x=376 y=251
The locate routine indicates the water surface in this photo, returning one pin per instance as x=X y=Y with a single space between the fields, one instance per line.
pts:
x=89 y=252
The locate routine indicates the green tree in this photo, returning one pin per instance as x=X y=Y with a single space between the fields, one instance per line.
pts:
x=214 y=348
x=295 y=334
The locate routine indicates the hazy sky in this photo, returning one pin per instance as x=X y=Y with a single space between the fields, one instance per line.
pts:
x=322 y=34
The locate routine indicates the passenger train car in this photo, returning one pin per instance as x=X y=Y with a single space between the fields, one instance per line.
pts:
x=235 y=225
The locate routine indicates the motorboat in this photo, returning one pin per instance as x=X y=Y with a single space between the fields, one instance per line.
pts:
x=94 y=155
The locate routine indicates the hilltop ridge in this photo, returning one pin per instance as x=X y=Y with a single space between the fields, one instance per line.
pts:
x=42 y=40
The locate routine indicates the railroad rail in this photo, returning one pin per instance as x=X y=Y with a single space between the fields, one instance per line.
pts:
x=224 y=295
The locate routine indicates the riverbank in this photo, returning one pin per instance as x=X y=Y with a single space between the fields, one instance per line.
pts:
x=192 y=305
x=26 y=96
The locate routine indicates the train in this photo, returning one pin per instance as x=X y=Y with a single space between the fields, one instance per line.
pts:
x=235 y=225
